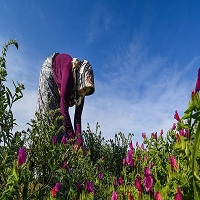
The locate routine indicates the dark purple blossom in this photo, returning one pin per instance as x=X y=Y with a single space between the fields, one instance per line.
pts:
x=176 y=116
x=64 y=139
x=54 y=140
x=174 y=126
x=144 y=135
x=89 y=187
x=100 y=176
x=64 y=165
x=79 y=186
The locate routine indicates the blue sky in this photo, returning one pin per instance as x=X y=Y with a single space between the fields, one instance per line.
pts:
x=145 y=56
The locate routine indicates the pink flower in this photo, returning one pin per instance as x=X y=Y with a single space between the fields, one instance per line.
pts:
x=120 y=180
x=148 y=179
x=151 y=165
x=129 y=158
x=115 y=182
x=124 y=162
x=54 y=140
x=114 y=196
x=64 y=139
x=138 y=184
x=172 y=162
x=55 y=189
x=144 y=135
x=157 y=196
x=181 y=132
x=21 y=157
x=176 y=116
x=89 y=187
x=178 y=195
x=145 y=158
x=197 y=88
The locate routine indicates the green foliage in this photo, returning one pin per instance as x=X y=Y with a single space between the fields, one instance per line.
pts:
x=114 y=165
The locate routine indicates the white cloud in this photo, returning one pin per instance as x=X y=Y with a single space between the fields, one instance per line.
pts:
x=141 y=95
x=100 y=22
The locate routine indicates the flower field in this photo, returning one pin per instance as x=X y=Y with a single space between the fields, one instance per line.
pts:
x=34 y=165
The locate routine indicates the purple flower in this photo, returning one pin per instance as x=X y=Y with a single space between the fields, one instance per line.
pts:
x=115 y=182
x=100 y=176
x=174 y=126
x=138 y=184
x=89 y=187
x=64 y=139
x=114 y=196
x=172 y=162
x=197 y=88
x=137 y=144
x=79 y=186
x=120 y=180
x=181 y=132
x=148 y=180
x=21 y=157
x=131 y=145
x=144 y=135
x=178 y=195
x=64 y=165
x=129 y=158
x=176 y=116
x=54 y=140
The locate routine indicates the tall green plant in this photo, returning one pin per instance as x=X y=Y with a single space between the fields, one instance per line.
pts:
x=7 y=120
